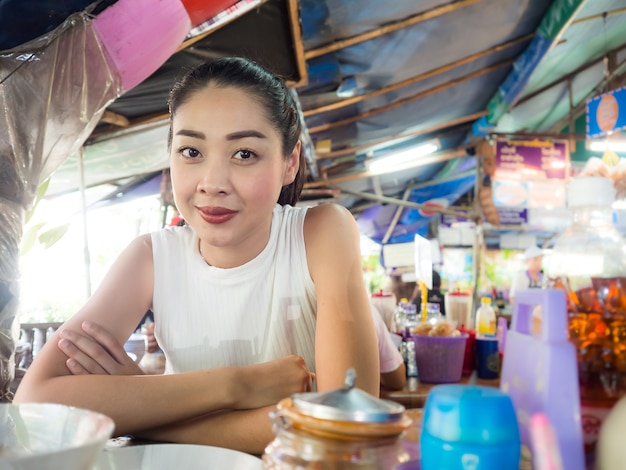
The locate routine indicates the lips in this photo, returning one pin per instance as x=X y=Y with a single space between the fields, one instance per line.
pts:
x=216 y=215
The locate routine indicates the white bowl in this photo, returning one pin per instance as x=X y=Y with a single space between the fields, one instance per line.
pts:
x=34 y=436
x=175 y=456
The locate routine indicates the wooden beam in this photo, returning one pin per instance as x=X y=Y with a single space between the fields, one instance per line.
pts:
x=417 y=78
x=114 y=118
x=389 y=28
x=400 y=202
x=566 y=77
x=298 y=47
x=602 y=15
x=579 y=108
x=403 y=101
x=454 y=122
x=396 y=216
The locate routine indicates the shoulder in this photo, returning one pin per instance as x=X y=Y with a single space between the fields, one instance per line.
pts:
x=331 y=238
x=140 y=246
x=329 y=221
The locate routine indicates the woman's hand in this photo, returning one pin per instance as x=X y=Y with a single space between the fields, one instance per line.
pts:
x=95 y=351
x=268 y=383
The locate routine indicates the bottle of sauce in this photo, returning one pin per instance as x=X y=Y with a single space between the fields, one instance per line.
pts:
x=485 y=318
x=589 y=262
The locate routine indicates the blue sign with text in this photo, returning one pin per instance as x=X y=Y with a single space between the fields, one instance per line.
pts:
x=606 y=113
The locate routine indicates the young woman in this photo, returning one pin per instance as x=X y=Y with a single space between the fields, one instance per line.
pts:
x=249 y=299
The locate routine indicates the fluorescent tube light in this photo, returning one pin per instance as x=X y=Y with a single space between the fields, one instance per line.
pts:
x=403 y=159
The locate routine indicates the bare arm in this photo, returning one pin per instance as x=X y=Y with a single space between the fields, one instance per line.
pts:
x=345 y=335
x=230 y=429
x=395 y=379
x=118 y=306
x=248 y=430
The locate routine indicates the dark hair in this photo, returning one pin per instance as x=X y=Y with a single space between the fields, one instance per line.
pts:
x=436 y=280
x=271 y=92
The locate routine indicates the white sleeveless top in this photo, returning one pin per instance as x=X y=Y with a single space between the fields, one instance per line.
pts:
x=208 y=317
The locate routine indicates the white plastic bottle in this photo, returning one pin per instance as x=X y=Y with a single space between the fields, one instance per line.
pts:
x=485 y=318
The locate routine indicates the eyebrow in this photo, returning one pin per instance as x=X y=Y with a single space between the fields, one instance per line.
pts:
x=232 y=136
x=245 y=134
x=189 y=133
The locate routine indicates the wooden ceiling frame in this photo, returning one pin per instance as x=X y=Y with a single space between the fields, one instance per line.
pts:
x=115 y=119
x=567 y=77
x=599 y=16
x=408 y=99
x=388 y=140
x=417 y=78
x=409 y=204
x=407 y=193
x=580 y=107
x=388 y=28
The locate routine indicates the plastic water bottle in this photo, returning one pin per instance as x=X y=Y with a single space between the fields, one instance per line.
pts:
x=485 y=318
x=410 y=320
x=399 y=317
x=411 y=360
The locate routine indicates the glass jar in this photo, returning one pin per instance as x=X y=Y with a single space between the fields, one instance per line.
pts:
x=345 y=428
x=589 y=262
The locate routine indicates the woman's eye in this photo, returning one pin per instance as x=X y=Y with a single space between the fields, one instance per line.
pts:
x=244 y=154
x=189 y=152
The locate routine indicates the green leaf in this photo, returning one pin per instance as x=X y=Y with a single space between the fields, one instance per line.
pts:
x=30 y=237
x=53 y=235
x=41 y=190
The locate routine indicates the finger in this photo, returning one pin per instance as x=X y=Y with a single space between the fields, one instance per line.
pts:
x=92 y=350
x=152 y=346
x=311 y=381
x=75 y=367
x=81 y=362
x=106 y=340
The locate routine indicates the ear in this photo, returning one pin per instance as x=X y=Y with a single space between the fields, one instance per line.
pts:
x=293 y=164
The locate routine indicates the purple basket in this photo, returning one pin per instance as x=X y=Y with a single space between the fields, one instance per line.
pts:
x=439 y=358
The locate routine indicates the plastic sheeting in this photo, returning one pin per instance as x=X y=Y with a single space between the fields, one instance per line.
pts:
x=48 y=107
x=374 y=221
x=556 y=20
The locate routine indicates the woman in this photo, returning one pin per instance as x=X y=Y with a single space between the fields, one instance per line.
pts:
x=249 y=298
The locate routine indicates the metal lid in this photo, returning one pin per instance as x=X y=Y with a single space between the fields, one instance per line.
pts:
x=348 y=404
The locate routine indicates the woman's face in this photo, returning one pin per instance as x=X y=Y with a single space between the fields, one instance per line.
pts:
x=227 y=169
x=534 y=264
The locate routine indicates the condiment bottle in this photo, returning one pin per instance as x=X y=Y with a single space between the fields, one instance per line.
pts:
x=341 y=429
x=485 y=318
x=589 y=262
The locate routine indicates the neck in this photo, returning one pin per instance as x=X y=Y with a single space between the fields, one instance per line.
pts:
x=226 y=257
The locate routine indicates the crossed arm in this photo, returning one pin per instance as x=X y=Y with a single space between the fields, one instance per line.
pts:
x=188 y=407
x=138 y=403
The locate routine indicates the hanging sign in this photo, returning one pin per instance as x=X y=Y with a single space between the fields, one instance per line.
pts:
x=530 y=173
x=606 y=113
x=531 y=159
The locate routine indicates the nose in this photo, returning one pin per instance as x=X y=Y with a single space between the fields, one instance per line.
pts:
x=215 y=178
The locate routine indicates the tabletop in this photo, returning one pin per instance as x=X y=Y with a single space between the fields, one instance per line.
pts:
x=414 y=393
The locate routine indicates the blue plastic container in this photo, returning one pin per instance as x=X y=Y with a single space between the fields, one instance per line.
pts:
x=469 y=427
